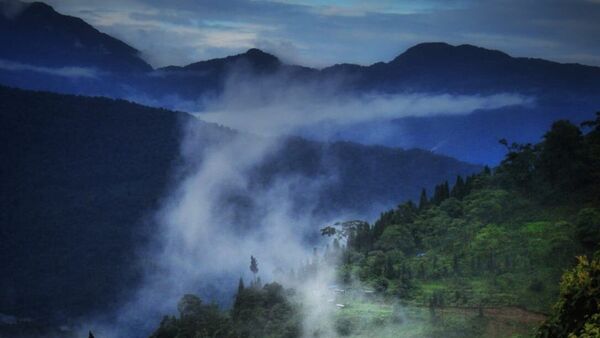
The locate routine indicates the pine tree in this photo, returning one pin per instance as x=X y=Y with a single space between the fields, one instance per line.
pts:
x=445 y=191
x=240 y=286
x=458 y=190
x=437 y=195
x=423 y=200
x=253 y=266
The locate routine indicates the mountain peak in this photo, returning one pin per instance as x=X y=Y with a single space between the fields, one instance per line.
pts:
x=259 y=55
x=256 y=51
x=445 y=51
x=39 y=35
x=258 y=59
x=12 y=8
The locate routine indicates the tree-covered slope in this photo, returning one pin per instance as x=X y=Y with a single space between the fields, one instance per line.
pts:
x=36 y=35
x=499 y=238
x=82 y=177
x=482 y=257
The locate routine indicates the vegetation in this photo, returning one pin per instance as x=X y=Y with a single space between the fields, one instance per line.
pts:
x=497 y=238
x=258 y=311
x=83 y=176
x=577 y=312
x=492 y=245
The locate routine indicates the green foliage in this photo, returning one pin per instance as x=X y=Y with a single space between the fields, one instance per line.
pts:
x=195 y=320
x=257 y=312
x=500 y=238
x=396 y=237
x=588 y=227
x=564 y=167
x=577 y=312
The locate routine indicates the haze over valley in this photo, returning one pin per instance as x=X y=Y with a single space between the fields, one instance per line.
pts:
x=445 y=191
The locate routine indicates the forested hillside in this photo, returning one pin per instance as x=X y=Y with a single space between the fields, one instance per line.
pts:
x=500 y=238
x=83 y=176
x=486 y=252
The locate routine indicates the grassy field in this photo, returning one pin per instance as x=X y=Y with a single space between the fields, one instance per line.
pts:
x=363 y=317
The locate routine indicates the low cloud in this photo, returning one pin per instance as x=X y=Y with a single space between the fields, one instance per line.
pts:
x=214 y=219
x=277 y=106
x=69 y=72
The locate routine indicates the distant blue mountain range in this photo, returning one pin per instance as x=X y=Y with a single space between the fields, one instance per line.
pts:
x=46 y=50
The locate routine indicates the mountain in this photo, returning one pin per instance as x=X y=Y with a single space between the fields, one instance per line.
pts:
x=255 y=59
x=209 y=77
x=35 y=34
x=440 y=67
x=426 y=67
x=549 y=90
x=489 y=254
x=84 y=175
x=40 y=36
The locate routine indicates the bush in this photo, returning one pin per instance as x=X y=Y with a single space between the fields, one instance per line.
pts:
x=577 y=312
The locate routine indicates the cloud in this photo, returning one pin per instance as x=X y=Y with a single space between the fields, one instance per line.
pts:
x=69 y=72
x=214 y=219
x=276 y=105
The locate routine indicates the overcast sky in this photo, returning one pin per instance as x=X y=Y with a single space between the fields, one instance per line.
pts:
x=324 y=32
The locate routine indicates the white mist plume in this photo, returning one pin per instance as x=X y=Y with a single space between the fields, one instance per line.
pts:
x=218 y=216
x=68 y=72
x=200 y=240
x=278 y=105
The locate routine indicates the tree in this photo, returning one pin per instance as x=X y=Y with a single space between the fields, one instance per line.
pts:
x=328 y=231
x=490 y=244
x=518 y=166
x=189 y=306
x=442 y=192
x=423 y=200
x=445 y=191
x=577 y=312
x=458 y=190
x=592 y=145
x=561 y=160
x=397 y=237
x=588 y=227
x=241 y=285
x=388 y=269
x=253 y=266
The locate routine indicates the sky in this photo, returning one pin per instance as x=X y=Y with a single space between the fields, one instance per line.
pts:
x=319 y=33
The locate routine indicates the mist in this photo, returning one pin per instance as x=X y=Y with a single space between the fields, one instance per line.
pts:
x=219 y=212
x=207 y=231
x=67 y=72
x=279 y=104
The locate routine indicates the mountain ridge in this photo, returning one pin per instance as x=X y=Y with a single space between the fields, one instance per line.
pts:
x=43 y=11
x=39 y=35
x=88 y=173
x=557 y=90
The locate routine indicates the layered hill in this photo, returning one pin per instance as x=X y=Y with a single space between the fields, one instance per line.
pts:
x=64 y=54
x=84 y=176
